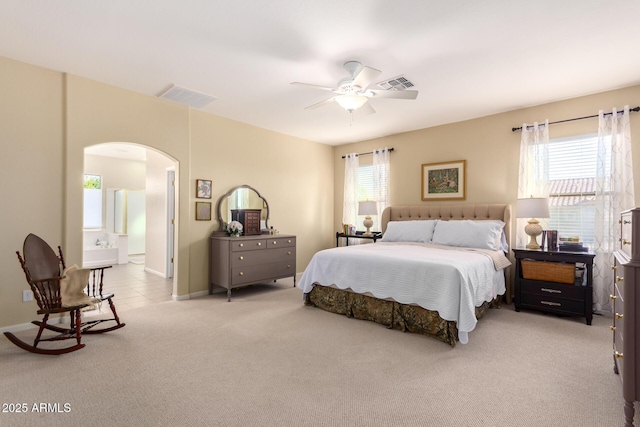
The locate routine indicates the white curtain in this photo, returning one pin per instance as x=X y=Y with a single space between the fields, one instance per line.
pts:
x=614 y=193
x=533 y=174
x=350 y=201
x=380 y=184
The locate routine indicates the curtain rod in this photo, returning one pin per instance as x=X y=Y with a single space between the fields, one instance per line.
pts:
x=370 y=152
x=636 y=109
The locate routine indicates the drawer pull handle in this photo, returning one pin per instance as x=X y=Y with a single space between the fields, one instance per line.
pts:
x=551 y=291
x=275 y=243
x=241 y=273
x=241 y=245
x=613 y=328
x=554 y=304
x=289 y=241
x=619 y=355
x=614 y=268
x=626 y=242
x=288 y=252
x=613 y=297
x=288 y=266
x=626 y=221
x=241 y=258
x=259 y=243
x=619 y=279
x=619 y=316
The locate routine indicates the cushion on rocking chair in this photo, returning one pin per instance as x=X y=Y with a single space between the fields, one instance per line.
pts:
x=72 y=286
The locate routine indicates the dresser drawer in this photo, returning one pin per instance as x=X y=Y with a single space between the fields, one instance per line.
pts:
x=251 y=273
x=284 y=268
x=552 y=303
x=281 y=242
x=551 y=289
x=282 y=254
x=248 y=245
x=619 y=282
x=626 y=231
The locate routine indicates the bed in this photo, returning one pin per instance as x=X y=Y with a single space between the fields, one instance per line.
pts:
x=436 y=270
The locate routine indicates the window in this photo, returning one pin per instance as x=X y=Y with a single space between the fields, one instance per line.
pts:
x=366 y=181
x=572 y=187
x=92 y=201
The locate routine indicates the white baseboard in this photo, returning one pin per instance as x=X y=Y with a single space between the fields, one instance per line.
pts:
x=157 y=273
x=189 y=296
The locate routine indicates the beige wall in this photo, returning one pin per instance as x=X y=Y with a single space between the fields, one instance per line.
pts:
x=48 y=118
x=31 y=173
x=488 y=145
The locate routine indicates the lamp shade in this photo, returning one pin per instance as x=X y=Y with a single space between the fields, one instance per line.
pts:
x=351 y=102
x=533 y=207
x=367 y=208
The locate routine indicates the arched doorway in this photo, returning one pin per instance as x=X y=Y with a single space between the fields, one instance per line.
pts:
x=137 y=214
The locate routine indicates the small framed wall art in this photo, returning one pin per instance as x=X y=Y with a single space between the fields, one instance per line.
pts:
x=444 y=181
x=203 y=211
x=203 y=189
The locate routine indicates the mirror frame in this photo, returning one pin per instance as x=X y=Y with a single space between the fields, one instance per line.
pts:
x=228 y=194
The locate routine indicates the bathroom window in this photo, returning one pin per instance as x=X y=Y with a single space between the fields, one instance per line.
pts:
x=92 y=201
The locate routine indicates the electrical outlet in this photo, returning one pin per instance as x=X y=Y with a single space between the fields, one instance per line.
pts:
x=27 y=296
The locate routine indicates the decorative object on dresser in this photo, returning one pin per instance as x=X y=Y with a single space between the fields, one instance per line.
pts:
x=249 y=218
x=532 y=208
x=554 y=282
x=367 y=208
x=249 y=259
x=626 y=309
x=244 y=204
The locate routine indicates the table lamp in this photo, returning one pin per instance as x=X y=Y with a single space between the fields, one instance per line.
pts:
x=532 y=208
x=367 y=208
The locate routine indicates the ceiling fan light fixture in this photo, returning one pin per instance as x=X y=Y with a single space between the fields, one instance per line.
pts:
x=351 y=102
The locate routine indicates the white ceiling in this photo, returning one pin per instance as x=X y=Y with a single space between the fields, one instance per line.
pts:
x=467 y=58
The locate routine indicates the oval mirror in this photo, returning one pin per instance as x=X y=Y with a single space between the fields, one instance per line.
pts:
x=242 y=197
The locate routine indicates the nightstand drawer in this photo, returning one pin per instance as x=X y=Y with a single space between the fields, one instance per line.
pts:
x=557 y=290
x=550 y=303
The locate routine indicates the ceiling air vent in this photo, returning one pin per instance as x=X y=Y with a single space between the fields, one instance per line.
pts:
x=396 y=83
x=188 y=97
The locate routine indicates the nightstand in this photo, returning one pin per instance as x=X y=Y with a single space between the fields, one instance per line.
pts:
x=375 y=236
x=545 y=286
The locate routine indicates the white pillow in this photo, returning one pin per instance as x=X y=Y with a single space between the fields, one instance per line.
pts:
x=469 y=234
x=409 y=231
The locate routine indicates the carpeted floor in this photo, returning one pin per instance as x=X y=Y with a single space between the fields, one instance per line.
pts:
x=265 y=359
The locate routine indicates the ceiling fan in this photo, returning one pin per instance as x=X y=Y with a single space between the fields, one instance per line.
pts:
x=352 y=93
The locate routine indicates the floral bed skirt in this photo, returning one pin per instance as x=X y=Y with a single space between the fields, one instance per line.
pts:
x=391 y=314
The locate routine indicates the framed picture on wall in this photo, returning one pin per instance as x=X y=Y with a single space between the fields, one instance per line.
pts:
x=203 y=188
x=203 y=211
x=444 y=181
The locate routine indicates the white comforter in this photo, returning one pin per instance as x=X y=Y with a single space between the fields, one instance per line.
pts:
x=451 y=282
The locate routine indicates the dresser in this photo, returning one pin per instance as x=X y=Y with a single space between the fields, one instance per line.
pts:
x=626 y=310
x=246 y=260
x=556 y=282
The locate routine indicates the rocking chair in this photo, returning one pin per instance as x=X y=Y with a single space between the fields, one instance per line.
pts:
x=42 y=270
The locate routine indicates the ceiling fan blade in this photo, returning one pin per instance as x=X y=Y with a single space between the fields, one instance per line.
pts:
x=397 y=94
x=330 y=89
x=321 y=103
x=366 y=109
x=365 y=76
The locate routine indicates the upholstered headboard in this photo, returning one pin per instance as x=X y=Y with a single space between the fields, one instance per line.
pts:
x=447 y=212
